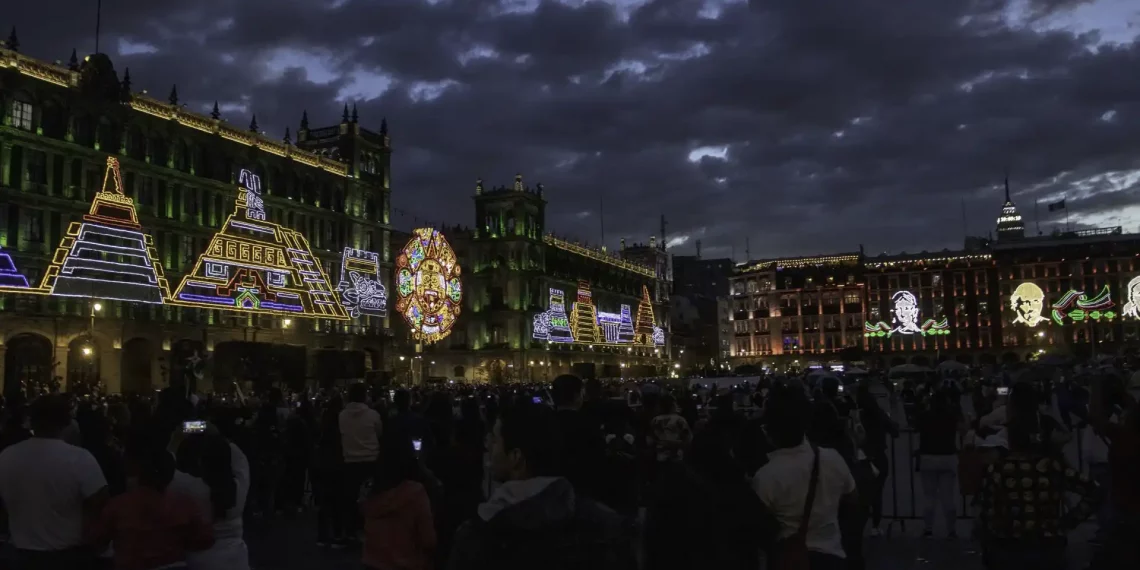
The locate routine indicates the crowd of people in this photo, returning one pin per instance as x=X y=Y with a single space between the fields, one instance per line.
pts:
x=788 y=472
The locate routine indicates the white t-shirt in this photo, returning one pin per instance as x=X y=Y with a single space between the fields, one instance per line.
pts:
x=43 y=483
x=782 y=485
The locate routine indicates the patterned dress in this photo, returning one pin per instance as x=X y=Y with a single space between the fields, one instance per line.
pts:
x=1022 y=498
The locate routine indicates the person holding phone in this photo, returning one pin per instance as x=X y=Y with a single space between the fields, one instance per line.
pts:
x=399 y=531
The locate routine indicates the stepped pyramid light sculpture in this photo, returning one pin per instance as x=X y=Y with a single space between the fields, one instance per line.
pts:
x=553 y=325
x=644 y=328
x=617 y=328
x=11 y=280
x=107 y=256
x=252 y=265
x=584 y=316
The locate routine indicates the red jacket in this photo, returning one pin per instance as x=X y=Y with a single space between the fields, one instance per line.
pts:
x=398 y=529
x=150 y=529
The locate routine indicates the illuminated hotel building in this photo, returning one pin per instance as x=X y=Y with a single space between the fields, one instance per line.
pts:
x=1013 y=299
x=323 y=189
x=536 y=305
x=797 y=309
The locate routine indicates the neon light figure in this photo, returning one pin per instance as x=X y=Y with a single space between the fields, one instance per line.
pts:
x=1132 y=306
x=552 y=324
x=905 y=313
x=361 y=291
x=10 y=278
x=1027 y=301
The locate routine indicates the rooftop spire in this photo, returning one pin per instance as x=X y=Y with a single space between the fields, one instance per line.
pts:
x=253 y=124
x=344 y=116
x=384 y=126
x=13 y=42
x=73 y=63
x=287 y=139
x=355 y=117
x=304 y=120
x=216 y=113
x=125 y=86
x=174 y=94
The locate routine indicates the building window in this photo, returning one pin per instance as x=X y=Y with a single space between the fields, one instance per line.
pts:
x=22 y=115
x=36 y=226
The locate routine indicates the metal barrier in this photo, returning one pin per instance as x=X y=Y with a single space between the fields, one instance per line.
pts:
x=905 y=504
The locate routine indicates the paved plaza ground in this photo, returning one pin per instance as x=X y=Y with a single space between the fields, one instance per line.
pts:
x=288 y=544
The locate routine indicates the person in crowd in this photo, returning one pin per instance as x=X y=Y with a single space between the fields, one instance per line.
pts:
x=216 y=473
x=1023 y=519
x=706 y=516
x=150 y=527
x=49 y=490
x=399 y=532
x=327 y=476
x=802 y=485
x=298 y=439
x=268 y=458
x=669 y=433
x=16 y=427
x=877 y=426
x=360 y=430
x=534 y=517
x=1111 y=396
x=938 y=422
x=582 y=444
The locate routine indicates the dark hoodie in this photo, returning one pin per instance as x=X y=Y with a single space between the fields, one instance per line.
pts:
x=398 y=530
x=539 y=523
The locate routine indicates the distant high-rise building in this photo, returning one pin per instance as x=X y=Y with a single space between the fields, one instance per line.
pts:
x=1009 y=225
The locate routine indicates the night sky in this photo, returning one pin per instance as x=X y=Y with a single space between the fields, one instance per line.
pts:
x=808 y=126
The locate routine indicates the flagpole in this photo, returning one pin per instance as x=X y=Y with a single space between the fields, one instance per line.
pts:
x=1066 y=213
x=1037 y=214
x=98 y=19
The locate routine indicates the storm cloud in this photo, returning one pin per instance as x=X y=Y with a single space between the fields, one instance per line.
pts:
x=807 y=127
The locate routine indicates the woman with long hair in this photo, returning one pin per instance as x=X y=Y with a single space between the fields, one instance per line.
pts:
x=219 y=481
x=399 y=531
x=150 y=526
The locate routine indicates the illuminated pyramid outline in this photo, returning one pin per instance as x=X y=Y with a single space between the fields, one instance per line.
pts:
x=81 y=265
x=644 y=325
x=584 y=317
x=11 y=280
x=255 y=266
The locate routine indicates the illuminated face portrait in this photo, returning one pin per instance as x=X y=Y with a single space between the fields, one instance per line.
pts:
x=1132 y=305
x=905 y=313
x=1027 y=301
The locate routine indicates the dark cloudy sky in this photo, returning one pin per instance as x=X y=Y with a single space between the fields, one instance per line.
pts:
x=808 y=126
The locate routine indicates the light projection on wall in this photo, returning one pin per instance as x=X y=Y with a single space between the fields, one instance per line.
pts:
x=904 y=320
x=361 y=290
x=1132 y=306
x=11 y=280
x=428 y=289
x=585 y=324
x=1027 y=302
x=1079 y=307
x=107 y=256
x=256 y=266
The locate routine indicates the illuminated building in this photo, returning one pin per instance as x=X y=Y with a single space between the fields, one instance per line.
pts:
x=797 y=311
x=536 y=305
x=698 y=285
x=180 y=169
x=429 y=291
x=1009 y=224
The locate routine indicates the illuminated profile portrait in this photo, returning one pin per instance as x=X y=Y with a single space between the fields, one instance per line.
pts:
x=1027 y=301
x=905 y=311
x=1132 y=306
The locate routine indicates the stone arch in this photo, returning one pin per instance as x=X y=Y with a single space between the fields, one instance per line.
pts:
x=459 y=371
x=28 y=365
x=137 y=366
